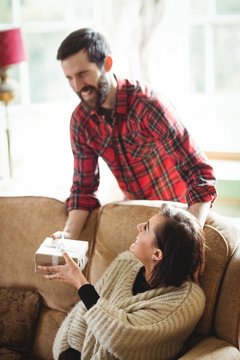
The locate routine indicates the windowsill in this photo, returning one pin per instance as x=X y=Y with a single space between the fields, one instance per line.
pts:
x=226 y=170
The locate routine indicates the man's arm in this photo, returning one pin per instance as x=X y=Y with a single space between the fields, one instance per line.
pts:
x=200 y=211
x=74 y=225
x=86 y=170
x=190 y=162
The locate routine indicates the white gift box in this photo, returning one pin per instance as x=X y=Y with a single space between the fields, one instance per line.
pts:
x=51 y=251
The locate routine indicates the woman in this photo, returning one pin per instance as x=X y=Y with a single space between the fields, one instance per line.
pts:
x=146 y=304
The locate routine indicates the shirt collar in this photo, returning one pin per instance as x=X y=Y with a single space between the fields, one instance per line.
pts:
x=121 y=97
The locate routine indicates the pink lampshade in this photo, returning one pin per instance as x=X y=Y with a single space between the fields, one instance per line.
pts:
x=11 y=47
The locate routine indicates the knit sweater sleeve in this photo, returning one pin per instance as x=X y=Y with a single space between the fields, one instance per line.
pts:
x=61 y=340
x=128 y=331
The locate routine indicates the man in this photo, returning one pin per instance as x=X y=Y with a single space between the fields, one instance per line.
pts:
x=139 y=136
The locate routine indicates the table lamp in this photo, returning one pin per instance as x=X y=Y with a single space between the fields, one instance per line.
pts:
x=11 y=52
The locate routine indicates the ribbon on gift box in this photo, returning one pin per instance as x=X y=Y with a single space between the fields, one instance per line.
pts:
x=58 y=245
x=50 y=252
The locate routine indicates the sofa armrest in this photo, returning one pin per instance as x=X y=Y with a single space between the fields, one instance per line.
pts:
x=212 y=349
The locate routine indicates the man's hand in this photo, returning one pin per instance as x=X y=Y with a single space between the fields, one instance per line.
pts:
x=74 y=225
x=60 y=235
x=69 y=273
x=200 y=211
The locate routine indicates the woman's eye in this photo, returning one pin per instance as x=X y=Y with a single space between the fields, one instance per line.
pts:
x=145 y=227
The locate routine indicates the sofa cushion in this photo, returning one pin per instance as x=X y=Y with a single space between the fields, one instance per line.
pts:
x=217 y=258
x=34 y=219
x=19 y=311
x=212 y=348
x=7 y=354
x=48 y=323
x=227 y=322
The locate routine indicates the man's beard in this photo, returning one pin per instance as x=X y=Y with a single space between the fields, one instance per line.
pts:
x=97 y=95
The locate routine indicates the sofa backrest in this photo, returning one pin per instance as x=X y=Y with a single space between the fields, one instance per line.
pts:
x=227 y=311
x=227 y=321
x=117 y=229
x=24 y=223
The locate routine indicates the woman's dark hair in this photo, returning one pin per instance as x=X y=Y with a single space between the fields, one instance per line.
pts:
x=182 y=242
x=85 y=39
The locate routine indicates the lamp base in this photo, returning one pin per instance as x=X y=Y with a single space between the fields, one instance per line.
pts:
x=7 y=93
x=7 y=88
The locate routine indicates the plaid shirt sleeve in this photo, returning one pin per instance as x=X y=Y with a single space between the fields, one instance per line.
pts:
x=86 y=170
x=190 y=161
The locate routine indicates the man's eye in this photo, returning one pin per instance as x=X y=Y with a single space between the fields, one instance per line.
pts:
x=81 y=75
x=145 y=227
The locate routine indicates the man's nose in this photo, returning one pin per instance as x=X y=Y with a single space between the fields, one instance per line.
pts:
x=77 y=85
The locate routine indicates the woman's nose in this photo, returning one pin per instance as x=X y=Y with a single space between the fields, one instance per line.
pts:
x=140 y=227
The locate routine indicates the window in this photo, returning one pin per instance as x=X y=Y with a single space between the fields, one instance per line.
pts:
x=44 y=25
x=214 y=29
x=189 y=50
x=39 y=115
x=197 y=63
x=214 y=46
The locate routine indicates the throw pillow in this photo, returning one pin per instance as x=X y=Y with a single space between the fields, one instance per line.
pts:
x=7 y=354
x=19 y=311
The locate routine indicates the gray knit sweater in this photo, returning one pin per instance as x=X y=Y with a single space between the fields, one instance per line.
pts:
x=147 y=326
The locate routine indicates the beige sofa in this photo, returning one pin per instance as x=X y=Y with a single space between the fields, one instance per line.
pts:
x=35 y=306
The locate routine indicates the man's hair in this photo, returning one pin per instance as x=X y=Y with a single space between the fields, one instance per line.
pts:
x=182 y=243
x=88 y=40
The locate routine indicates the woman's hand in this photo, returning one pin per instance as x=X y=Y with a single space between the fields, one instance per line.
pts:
x=69 y=273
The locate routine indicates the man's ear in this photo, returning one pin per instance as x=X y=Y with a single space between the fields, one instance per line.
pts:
x=108 y=63
x=157 y=255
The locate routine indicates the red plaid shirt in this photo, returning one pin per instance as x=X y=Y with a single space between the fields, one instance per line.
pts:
x=146 y=147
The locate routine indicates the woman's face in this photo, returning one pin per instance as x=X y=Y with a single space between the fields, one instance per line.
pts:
x=144 y=247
